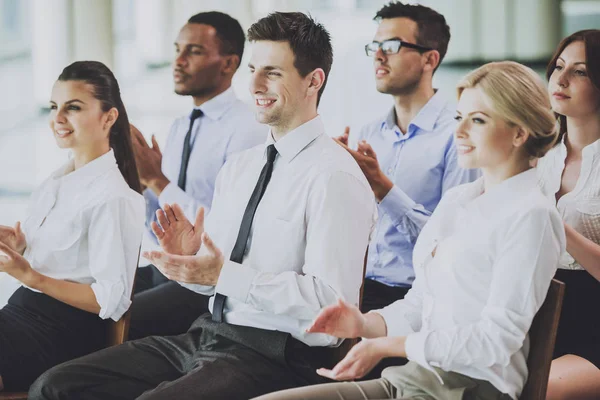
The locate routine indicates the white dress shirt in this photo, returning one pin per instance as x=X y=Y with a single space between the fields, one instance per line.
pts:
x=472 y=304
x=579 y=208
x=309 y=235
x=227 y=127
x=85 y=226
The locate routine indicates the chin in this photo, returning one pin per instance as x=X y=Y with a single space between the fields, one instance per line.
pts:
x=466 y=162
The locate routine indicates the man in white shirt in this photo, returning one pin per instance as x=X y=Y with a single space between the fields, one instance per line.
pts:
x=288 y=230
x=208 y=51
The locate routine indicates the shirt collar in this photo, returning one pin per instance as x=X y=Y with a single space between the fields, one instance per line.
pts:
x=425 y=118
x=216 y=107
x=88 y=173
x=296 y=140
x=496 y=198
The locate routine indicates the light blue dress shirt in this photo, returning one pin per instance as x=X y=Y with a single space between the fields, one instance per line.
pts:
x=227 y=127
x=422 y=165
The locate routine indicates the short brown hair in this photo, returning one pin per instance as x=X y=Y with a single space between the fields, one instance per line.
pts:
x=433 y=31
x=310 y=42
x=591 y=42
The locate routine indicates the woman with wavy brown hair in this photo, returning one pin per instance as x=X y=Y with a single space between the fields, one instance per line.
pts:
x=570 y=176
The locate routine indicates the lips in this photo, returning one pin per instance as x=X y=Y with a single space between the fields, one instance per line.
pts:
x=560 y=96
x=63 y=132
x=179 y=76
x=379 y=71
x=464 y=149
x=264 y=102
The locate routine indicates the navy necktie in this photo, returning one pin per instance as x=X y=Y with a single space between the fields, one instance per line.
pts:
x=239 y=249
x=187 y=149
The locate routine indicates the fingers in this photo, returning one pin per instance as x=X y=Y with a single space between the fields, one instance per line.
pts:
x=137 y=136
x=162 y=219
x=199 y=223
x=366 y=149
x=155 y=146
x=323 y=320
x=347 y=131
x=7 y=250
x=178 y=212
x=18 y=228
x=160 y=234
x=171 y=214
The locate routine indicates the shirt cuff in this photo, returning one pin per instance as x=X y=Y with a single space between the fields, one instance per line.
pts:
x=396 y=204
x=395 y=326
x=235 y=280
x=111 y=299
x=172 y=194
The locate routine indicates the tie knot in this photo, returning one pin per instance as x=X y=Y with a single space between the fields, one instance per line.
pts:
x=197 y=113
x=271 y=153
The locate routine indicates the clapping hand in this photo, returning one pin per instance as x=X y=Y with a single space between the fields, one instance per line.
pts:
x=14 y=238
x=176 y=234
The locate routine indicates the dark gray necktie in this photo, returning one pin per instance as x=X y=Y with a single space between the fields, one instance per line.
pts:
x=187 y=149
x=239 y=249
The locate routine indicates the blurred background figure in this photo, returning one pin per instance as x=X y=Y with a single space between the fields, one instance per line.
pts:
x=135 y=39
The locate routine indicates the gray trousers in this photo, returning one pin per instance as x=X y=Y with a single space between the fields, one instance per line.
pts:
x=210 y=361
x=410 y=381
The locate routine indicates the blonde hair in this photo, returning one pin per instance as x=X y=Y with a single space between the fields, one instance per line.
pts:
x=518 y=94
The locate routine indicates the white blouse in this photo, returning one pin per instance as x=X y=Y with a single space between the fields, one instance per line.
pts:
x=472 y=304
x=86 y=226
x=579 y=208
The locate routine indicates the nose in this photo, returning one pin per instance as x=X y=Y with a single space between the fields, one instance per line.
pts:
x=379 y=55
x=59 y=117
x=460 y=132
x=180 y=59
x=562 y=79
x=257 y=83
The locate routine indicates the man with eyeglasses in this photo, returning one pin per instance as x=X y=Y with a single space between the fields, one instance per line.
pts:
x=408 y=155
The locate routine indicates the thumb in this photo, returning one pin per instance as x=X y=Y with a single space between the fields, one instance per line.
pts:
x=347 y=131
x=18 y=228
x=199 y=223
x=155 y=146
x=210 y=245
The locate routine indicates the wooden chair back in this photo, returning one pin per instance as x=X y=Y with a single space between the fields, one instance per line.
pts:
x=542 y=337
x=340 y=352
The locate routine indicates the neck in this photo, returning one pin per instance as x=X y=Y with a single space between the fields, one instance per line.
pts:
x=582 y=132
x=299 y=119
x=203 y=98
x=407 y=106
x=495 y=176
x=82 y=157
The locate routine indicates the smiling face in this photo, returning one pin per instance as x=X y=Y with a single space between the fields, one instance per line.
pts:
x=483 y=138
x=281 y=96
x=399 y=73
x=571 y=91
x=77 y=119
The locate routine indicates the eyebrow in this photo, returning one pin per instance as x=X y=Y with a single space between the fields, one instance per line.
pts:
x=200 y=46
x=575 y=63
x=70 y=101
x=393 y=38
x=267 y=67
x=474 y=112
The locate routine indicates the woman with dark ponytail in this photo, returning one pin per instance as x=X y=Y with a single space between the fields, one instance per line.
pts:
x=76 y=253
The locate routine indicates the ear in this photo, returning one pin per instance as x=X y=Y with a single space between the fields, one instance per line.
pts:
x=316 y=82
x=520 y=137
x=432 y=60
x=111 y=118
x=232 y=63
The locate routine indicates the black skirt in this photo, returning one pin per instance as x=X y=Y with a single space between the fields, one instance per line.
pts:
x=579 y=326
x=38 y=332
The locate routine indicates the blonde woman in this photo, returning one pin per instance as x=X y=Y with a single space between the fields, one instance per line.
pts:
x=570 y=176
x=483 y=263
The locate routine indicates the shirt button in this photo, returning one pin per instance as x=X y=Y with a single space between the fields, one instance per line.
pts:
x=389 y=171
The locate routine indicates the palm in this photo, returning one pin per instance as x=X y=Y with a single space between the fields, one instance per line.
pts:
x=340 y=320
x=182 y=238
x=13 y=238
